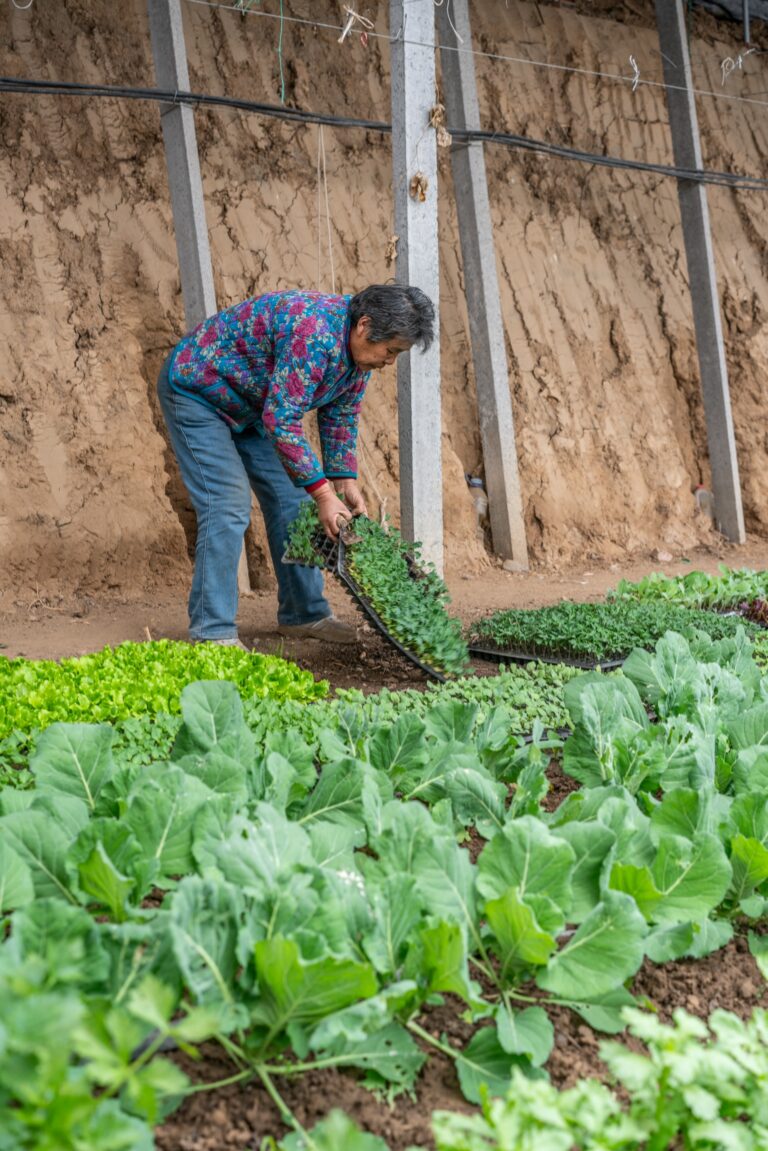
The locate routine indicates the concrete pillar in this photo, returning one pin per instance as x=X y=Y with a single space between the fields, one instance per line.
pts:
x=414 y=154
x=486 y=325
x=726 y=489
x=184 y=180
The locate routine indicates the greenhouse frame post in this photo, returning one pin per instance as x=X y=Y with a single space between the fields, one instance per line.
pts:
x=184 y=180
x=414 y=158
x=694 y=211
x=486 y=327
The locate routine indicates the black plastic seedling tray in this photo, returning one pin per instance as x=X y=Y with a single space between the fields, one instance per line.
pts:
x=500 y=656
x=332 y=555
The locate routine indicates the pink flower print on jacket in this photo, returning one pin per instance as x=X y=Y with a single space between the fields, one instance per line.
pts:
x=265 y=363
x=295 y=385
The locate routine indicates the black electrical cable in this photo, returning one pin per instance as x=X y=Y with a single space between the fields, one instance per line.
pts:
x=195 y=99
x=698 y=175
x=296 y=115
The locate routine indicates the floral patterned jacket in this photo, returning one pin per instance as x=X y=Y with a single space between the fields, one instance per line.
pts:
x=266 y=362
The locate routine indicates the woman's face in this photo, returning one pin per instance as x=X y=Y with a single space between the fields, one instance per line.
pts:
x=378 y=354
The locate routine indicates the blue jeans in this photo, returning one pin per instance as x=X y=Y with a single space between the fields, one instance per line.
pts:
x=219 y=467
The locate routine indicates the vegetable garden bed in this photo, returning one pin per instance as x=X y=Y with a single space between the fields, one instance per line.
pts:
x=589 y=635
x=526 y=696
x=140 y=682
x=742 y=590
x=311 y=907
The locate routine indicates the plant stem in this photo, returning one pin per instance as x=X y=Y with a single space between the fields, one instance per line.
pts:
x=299 y=1068
x=248 y=1073
x=425 y=1035
x=505 y=995
x=136 y=1065
x=234 y=1051
x=542 y=1002
x=286 y=1114
x=484 y=969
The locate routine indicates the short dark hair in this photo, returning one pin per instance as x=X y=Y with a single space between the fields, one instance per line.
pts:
x=396 y=312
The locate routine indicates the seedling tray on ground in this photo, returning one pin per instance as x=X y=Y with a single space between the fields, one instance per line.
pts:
x=332 y=555
x=501 y=656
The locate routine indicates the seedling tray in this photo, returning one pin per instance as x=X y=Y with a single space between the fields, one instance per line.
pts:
x=500 y=656
x=332 y=555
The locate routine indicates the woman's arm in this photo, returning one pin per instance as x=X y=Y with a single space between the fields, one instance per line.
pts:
x=337 y=423
x=288 y=399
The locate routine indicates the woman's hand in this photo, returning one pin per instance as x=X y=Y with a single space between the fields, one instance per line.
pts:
x=351 y=495
x=330 y=509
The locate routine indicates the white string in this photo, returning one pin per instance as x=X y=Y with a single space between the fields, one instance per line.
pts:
x=352 y=19
x=328 y=216
x=636 y=80
x=730 y=65
x=615 y=77
x=317 y=180
x=439 y=4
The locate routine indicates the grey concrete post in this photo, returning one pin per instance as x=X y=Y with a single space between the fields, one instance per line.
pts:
x=184 y=179
x=414 y=154
x=486 y=326
x=726 y=489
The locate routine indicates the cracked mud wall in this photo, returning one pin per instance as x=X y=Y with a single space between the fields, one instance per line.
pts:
x=599 y=334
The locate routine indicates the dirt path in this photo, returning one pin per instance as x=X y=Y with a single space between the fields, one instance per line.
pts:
x=41 y=629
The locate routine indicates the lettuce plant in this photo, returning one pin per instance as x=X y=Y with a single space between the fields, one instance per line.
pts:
x=137 y=679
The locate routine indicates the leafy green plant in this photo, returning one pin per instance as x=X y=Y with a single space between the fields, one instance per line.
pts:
x=303 y=535
x=14 y=750
x=690 y=789
x=337 y=1132
x=527 y=695
x=410 y=599
x=78 y=1073
x=695 y=1088
x=595 y=631
x=697 y=589
x=317 y=897
x=136 y=679
x=761 y=650
x=413 y=610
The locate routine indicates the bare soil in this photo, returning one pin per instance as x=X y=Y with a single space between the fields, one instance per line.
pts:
x=41 y=626
x=242 y=1115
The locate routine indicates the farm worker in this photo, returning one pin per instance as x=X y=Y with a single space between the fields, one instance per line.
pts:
x=233 y=394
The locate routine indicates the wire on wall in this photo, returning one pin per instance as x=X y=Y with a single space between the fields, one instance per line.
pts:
x=634 y=81
x=20 y=86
